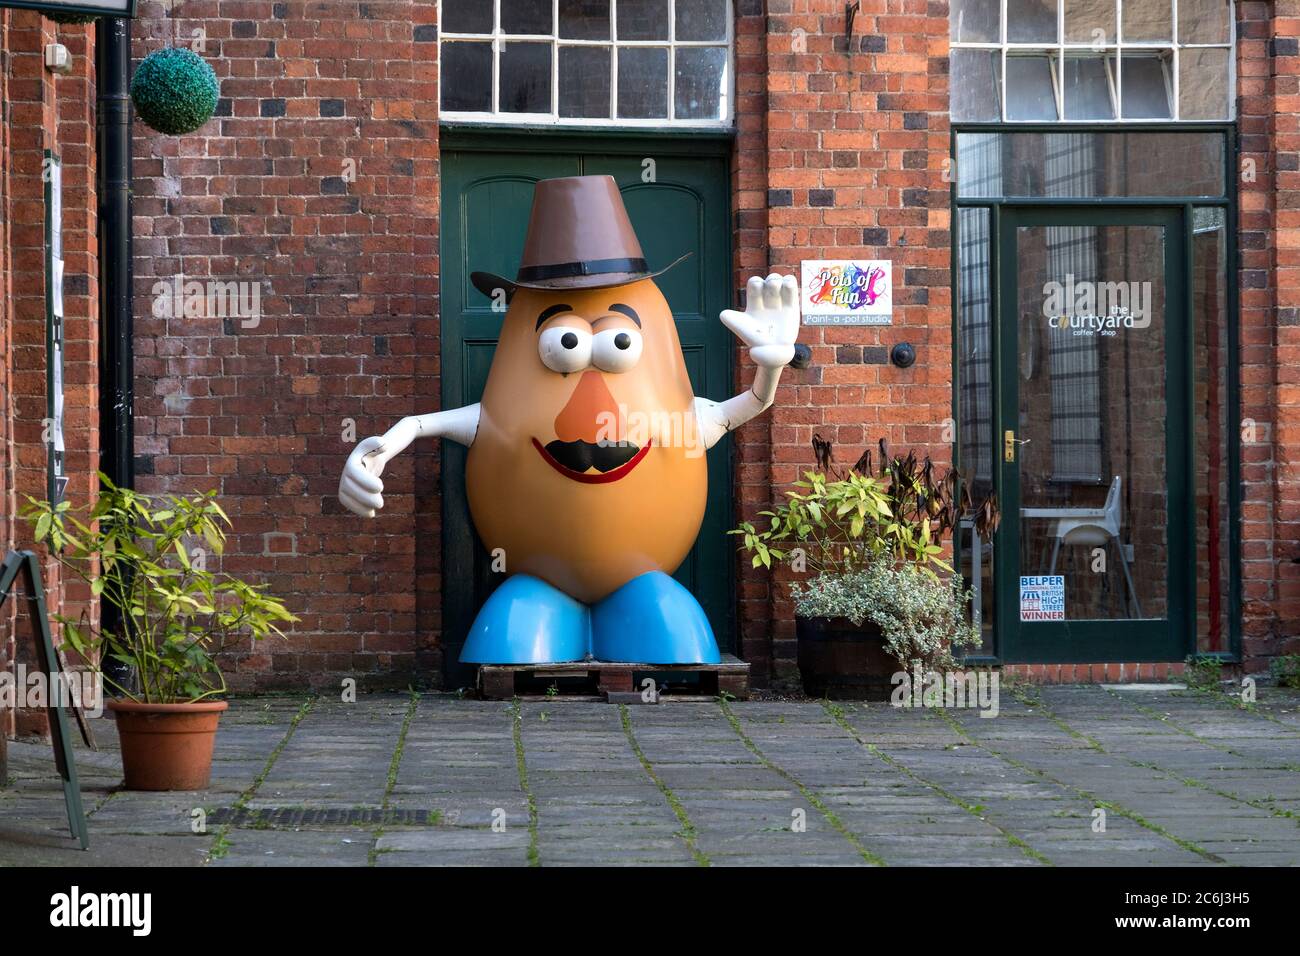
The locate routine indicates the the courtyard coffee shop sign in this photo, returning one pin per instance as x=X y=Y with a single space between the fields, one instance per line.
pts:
x=847 y=292
x=109 y=8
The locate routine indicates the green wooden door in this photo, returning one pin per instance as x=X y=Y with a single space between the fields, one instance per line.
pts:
x=1094 y=557
x=487 y=191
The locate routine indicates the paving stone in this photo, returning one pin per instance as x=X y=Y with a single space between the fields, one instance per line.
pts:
x=1202 y=778
x=295 y=848
x=454 y=838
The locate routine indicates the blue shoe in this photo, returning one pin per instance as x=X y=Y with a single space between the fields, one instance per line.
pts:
x=652 y=620
x=527 y=621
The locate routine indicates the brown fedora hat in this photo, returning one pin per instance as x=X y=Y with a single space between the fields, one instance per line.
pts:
x=579 y=237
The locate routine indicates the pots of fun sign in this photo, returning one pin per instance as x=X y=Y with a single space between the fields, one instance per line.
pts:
x=847 y=292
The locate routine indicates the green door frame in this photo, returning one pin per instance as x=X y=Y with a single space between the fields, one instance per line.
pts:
x=1099 y=640
x=551 y=148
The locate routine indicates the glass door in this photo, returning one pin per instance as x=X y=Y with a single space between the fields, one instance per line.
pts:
x=1093 y=434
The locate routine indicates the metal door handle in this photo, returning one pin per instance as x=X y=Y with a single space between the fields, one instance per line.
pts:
x=1009 y=443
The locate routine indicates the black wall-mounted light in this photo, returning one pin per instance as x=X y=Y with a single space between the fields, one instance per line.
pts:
x=850 y=14
x=903 y=355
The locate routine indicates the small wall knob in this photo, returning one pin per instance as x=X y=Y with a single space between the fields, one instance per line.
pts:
x=903 y=355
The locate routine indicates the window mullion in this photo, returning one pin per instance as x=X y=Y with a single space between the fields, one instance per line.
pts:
x=1171 y=84
x=495 y=106
x=1060 y=59
x=613 y=60
x=1111 y=64
x=672 y=61
x=555 y=60
x=1119 y=59
x=1002 y=37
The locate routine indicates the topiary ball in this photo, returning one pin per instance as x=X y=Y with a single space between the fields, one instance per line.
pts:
x=174 y=91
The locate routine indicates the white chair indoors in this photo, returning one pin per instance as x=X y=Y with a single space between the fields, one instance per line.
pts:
x=1093 y=527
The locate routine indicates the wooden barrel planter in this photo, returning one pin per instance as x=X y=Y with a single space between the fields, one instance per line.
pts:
x=842 y=660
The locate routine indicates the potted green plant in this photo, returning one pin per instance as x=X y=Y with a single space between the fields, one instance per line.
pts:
x=134 y=552
x=867 y=546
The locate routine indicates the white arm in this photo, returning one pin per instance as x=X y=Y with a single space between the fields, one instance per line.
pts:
x=361 y=491
x=769 y=326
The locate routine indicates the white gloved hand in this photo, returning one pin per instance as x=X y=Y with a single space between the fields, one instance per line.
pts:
x=360 y=490
x=770 y=323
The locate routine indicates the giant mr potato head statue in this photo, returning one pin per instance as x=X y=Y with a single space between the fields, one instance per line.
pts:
x=586 y=455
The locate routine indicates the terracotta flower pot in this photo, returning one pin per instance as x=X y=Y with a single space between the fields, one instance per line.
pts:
x=167 y=746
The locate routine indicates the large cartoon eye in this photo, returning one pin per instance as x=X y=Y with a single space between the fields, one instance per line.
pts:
x=616 y=350
x=565 y=349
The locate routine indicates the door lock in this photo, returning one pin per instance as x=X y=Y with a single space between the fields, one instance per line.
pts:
x=1009 y=443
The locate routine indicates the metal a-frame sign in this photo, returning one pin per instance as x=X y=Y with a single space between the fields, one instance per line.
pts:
x=28 y=564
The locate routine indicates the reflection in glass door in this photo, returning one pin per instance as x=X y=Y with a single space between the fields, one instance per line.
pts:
x=1093 y=434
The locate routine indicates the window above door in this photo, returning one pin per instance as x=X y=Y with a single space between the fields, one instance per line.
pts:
x=626 y=63
x=1107 y=61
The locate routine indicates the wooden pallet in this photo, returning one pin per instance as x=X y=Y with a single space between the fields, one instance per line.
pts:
x=617 y=683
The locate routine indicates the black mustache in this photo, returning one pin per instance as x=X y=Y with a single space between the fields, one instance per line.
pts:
x=580 y=455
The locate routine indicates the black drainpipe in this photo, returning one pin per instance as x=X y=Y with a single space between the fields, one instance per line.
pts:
x=116 y=358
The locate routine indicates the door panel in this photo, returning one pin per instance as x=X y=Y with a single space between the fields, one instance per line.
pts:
x=486 y=199
x=1094 y=428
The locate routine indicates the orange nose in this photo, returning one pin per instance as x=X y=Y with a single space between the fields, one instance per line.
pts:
x=590 y=413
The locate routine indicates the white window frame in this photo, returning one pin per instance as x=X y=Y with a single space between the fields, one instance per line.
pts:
x=1113 y=53
x=498 y=40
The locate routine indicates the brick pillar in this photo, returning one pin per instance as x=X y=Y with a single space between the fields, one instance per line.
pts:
x=30 y=128
x=856 y=145
x=77 y=147
x=7 y=497
x=1266 y=97
x=753 y=442
x=1269 y=67
x=426 y=346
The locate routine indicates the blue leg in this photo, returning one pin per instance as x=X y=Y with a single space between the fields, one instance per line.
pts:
x=527 y=621
x=652 y=620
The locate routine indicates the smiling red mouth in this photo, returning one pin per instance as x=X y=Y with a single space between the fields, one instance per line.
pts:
x=604 y=477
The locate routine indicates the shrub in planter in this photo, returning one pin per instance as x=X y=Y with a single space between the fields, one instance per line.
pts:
x=869 y=542
x=1286 y=670
x=176 y=616
x=174 y=90
x=857 y=629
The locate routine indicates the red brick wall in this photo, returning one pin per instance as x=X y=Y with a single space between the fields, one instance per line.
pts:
x=1268 y=68
x=8 y=495
x=30 y=129
x=749 y=178
x=44 y=112
x=840 y=152
x=855 y=141
x=348 y=267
